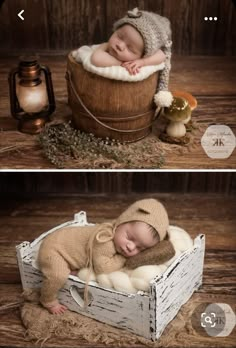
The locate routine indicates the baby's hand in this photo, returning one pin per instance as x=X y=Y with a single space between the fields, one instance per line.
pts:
x=133 y=67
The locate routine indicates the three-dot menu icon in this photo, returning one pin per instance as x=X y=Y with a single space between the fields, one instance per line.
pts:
x=210 y=18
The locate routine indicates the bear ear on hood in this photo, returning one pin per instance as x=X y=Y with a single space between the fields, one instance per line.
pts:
x=145 y=206
x=144 y=210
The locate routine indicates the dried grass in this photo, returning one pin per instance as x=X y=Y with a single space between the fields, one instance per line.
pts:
x=66 y=147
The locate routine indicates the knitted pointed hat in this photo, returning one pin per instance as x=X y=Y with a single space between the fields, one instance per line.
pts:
x=156 y=33
x=150 y=211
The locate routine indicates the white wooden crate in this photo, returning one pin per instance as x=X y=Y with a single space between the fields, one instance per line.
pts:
x=145 y=314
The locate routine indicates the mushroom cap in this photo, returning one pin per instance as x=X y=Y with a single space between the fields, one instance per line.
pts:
x=192 y=101
x=178 y=111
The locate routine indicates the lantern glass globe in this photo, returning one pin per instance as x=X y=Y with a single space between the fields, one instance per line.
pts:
x=32 y=99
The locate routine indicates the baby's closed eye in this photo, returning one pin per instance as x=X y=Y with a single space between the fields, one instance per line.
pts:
x=120 y=36
x=130 y=47
x=140 y=248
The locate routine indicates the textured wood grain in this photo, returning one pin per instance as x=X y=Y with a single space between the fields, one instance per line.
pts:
x=206 y=206
x=211 y=80
x=213 y=215
x=120 y=105
x=178 y=333
x=131 y=312
x=70 y=24
x=48 y=184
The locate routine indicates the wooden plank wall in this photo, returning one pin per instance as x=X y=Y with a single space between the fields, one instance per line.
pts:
x=45 y=184
x=67 y=24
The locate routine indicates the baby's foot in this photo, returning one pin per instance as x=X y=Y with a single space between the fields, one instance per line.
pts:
x=57 y=309
x=74 y=272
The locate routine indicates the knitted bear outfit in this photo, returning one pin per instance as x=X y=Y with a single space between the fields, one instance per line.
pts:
x=73 y=248
x=156 y=33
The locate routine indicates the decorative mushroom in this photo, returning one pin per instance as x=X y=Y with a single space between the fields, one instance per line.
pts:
x=178 y=114
x=192 y=101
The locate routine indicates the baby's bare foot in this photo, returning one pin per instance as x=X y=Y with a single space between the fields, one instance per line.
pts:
x=57 y=309
x=74 y=272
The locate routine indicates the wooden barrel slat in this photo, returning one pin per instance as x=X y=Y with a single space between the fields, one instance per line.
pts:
x=121 y=105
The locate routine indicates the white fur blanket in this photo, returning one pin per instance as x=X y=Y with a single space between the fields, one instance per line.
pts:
x=83 y=54
x=132 y=281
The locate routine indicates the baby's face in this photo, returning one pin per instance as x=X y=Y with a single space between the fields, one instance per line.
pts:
x=132 y=237
x=126 y=44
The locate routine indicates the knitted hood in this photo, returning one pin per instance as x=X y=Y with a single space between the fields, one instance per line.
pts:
x=149 y=211
x=156 y=33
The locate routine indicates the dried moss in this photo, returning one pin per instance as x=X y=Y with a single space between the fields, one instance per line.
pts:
x=66 y=147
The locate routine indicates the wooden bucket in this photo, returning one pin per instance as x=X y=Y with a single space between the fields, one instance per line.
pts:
x=110 y=108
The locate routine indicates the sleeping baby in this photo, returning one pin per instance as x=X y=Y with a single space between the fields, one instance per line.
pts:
x=103 y=247
x=140 y=39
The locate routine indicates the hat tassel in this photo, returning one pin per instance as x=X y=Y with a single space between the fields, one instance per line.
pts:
x=163 y=98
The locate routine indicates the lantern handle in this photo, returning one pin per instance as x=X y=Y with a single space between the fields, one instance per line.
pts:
x=15 y=106
x=48 y=80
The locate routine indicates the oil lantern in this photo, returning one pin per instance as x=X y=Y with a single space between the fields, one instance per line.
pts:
x=31 y=97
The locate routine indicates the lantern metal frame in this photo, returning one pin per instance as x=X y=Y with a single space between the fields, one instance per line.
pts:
x=29 y=72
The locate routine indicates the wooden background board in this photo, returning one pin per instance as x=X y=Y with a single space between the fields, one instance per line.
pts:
x=211 y=80
x=33 y=185
x=60 y=24
x=211 y=214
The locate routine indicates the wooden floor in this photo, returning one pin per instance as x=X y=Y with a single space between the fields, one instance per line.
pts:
x=211 y=214
x=211 y=80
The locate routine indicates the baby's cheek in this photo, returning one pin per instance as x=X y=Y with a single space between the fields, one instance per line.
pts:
x=135 y=252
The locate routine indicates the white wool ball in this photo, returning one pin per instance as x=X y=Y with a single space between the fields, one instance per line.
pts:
x=180 y=239
x=163 y=98
x=147 y=273
x=182 y=244
x=121 y=282
x=104 y=280
x=140 y=284
x=128 y=271
x=162 y=267
x=83 y=274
